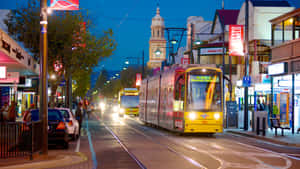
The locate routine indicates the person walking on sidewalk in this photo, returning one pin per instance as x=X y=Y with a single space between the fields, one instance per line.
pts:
x=79 y=115
x=12 y=114
x=4 y=112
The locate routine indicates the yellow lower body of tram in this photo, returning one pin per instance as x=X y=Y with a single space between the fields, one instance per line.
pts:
x=197 y=122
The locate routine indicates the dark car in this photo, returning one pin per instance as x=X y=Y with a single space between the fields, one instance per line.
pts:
x=57 y=130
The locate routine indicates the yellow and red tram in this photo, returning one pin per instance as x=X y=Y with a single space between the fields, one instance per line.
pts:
x=185 y=98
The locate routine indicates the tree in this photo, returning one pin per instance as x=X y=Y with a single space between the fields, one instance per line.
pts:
x=70 y=43
x=102 y=78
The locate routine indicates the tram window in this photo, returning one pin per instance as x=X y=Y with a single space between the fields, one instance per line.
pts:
x=179 y=88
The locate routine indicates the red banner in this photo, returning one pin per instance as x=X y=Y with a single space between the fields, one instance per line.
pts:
x=138 y=80
x=68 y=5
x=236 y=40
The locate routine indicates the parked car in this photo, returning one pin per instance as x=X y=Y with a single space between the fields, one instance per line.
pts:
x=72 y=123
x=57 y=126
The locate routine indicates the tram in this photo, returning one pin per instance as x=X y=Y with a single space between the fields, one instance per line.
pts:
x=129 y=101
x=185 y=99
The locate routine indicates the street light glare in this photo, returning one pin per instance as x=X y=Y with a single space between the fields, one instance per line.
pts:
x=49 y=11
x=53 y=76
x=127 y=62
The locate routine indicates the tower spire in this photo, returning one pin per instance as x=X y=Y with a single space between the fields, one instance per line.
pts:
x=157 y=8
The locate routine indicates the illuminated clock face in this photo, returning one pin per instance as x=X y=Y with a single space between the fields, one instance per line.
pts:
x=157 y=52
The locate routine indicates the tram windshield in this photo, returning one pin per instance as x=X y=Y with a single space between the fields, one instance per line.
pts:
x=204 y=92
x=129 y=101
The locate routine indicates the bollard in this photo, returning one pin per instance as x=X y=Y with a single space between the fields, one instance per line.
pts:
x=264 y=126
x=257 y=126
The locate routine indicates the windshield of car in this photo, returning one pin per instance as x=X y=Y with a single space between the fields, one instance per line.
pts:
x=53 y=115
x=129 y=101
x=204 y=92
x=65 y=113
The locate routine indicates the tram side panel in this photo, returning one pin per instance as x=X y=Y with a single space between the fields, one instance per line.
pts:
x=153 y=99
x=143 y=101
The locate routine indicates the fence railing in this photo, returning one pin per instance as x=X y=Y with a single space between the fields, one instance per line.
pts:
x=19 y=139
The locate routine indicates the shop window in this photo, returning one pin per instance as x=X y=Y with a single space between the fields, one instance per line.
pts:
x=288 y=29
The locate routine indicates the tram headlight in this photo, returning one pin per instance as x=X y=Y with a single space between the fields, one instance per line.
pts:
x=217 y=116
x=122 y=111
x=116 y=108
x=192 y=116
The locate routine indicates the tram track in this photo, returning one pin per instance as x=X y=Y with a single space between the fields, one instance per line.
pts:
x=179 y=154
x=223 y=164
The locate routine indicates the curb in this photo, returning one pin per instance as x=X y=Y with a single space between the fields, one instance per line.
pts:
x=264 y=138
x=61 y=161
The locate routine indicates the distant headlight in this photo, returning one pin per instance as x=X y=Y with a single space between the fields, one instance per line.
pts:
x=122 y=111
x=102 y=105
x=192 y=116
x=217 y=116
x=116 y=108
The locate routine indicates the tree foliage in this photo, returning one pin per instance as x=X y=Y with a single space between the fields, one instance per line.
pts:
x=70 y=42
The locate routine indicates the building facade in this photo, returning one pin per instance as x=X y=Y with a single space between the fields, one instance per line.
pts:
x=157 y=43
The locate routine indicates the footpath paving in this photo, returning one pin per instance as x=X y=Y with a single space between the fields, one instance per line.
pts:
x=53 y=160
x=288 y=139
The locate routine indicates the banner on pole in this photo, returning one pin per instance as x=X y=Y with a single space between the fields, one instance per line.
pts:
x=138 y=81
x=68 y=5
x=236 y=40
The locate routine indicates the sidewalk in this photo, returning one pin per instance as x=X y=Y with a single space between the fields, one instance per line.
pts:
x=39 y=162
x=288 y=139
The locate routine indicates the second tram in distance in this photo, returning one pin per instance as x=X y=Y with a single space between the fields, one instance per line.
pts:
x=184 y=98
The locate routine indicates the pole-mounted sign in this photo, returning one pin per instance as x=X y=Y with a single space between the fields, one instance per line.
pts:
x=236 y=40
x=67 y=5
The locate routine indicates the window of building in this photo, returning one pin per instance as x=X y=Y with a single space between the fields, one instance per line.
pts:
x=277 y=34
x=297 y=27
x=288 y=29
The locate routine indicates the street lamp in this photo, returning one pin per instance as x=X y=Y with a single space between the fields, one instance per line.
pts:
x=126 y=62
x=198 y=42
x=173 y=41
x=124 y=68
x=53 y=77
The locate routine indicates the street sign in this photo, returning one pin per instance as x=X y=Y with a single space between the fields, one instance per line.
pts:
x=232 y=116
x=247 y=81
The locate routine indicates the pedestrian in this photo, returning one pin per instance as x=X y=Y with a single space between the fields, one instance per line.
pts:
x=12 y=112
x=4 y=112
x=27 y=114
x=79 y=115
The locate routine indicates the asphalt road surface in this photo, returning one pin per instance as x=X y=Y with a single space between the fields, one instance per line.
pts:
x=114 y=142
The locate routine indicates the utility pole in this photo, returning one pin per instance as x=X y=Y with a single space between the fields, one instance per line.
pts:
x=246 y=65
x=43 y=75
x=191 y=55
x=143 y=59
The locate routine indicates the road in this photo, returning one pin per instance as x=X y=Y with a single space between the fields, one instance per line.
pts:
x=114 y=142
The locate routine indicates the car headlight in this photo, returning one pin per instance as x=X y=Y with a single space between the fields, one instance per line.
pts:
x=217 y=116
x=102 y=106
x=122 y=111
x=192 y=116
x=116 y=108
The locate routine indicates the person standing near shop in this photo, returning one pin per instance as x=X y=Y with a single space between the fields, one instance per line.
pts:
x=4 y=112
x=79 y=115
x=12 y=112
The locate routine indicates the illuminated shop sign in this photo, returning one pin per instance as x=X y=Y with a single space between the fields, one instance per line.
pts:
x=276 y=69
x=2 y=72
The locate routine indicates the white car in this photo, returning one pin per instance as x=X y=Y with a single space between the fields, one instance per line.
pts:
x=72 y=123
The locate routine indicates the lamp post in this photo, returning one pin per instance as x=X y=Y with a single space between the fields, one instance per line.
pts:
x=246 y=66
x=43 y=75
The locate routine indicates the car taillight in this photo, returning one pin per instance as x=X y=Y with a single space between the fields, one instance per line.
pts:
x=70 y=123
x=61 y=126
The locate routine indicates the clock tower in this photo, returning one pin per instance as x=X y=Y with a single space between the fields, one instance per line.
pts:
x=157 y=43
